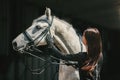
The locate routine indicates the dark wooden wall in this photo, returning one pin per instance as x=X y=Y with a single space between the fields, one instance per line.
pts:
x=17 y=15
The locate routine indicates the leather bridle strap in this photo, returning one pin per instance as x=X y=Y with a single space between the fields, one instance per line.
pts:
x=43 y=34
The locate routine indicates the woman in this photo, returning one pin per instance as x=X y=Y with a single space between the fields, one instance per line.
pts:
x=90 y=62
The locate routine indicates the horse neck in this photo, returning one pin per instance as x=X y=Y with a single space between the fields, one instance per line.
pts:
x=67 y=39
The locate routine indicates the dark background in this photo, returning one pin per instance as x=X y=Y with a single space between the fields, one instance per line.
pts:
x=17 y=15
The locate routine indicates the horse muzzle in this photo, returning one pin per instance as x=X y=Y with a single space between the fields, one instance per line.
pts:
x=17 y=46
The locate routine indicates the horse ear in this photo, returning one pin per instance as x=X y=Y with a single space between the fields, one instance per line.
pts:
x=48 y=13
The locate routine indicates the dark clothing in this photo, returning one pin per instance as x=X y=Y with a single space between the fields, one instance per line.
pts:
x=80 y=58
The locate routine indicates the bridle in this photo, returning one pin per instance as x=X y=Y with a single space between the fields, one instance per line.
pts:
x=31 y=46
x=43 y=34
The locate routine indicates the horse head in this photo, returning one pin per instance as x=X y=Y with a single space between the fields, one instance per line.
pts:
x=35 y=34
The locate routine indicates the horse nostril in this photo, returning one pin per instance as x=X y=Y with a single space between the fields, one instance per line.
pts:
x=14 y=45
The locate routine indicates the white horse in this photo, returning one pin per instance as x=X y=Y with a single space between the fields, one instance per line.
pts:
x=65 y=38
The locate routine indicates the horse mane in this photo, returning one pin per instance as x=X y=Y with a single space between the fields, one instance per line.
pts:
x=67 y=24
x=64 y=21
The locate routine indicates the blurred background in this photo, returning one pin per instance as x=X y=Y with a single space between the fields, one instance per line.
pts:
x=17 y=15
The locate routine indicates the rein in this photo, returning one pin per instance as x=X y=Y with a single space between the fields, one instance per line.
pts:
x=31 y=46
x=47 y=62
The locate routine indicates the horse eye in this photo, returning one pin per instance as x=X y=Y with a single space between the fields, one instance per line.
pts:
x=38 y=27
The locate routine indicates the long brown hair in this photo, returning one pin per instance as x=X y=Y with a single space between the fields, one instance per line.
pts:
x=94 y=46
